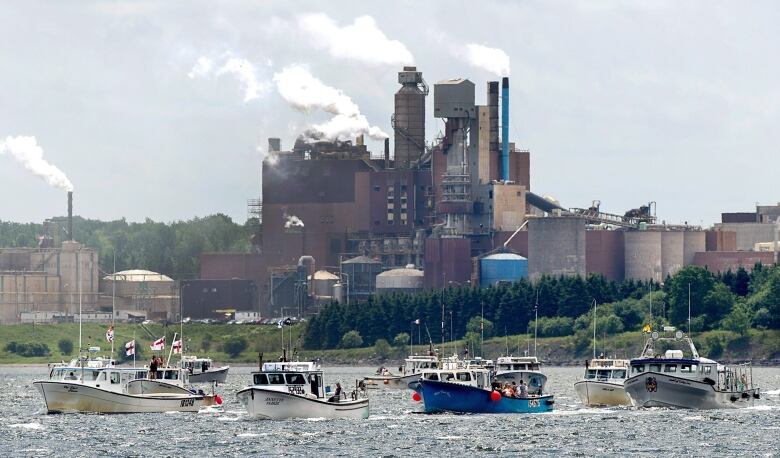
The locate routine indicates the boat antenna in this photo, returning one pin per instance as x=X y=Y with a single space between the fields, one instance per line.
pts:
x=482 y=331
x=170 y=352
x=452 y=338
x=78 y=271
x=506 y=338
x=689 y=309
x=430 y=340
x=536 y=318
x=113 y=302
x=442 y=324
x=594 y=328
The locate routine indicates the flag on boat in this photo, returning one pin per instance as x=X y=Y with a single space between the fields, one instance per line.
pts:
x=417 y=321
x=177 y=346
x=158 y=344
x=110 y=333
x=647 y=328
x=130 y=348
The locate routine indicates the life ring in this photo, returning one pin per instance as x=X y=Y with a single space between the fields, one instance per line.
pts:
x=387 y=382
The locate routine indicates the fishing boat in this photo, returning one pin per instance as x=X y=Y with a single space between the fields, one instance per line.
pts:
x=464 y=389
x=409 y=372
x=687 y=381
x=112 y=389
x=201 y=371
x=285 y=389
x=603 y=382
x=513 y=369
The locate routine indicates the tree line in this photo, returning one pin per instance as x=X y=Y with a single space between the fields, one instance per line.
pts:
x=735 y=301
x=172 y=249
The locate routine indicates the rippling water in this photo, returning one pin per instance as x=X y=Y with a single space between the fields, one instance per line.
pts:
x=393 y=428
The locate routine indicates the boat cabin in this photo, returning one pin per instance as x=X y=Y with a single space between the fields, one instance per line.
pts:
x=601 y=369
x=301 y=378
x=478 y=377
x=518 y=363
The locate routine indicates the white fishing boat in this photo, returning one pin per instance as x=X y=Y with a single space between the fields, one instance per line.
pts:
x=409 y=372
x=112 y=389
x=201 y=370
x=680 y=378
x=603 y=382
x=284 y=390
x=511 y=369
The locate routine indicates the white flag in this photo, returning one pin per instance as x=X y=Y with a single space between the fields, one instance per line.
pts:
x=110 y=333
x=130 y=348
x=177 y=346
x=158 y=344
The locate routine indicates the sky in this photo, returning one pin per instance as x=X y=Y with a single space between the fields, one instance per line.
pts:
x=162 y=110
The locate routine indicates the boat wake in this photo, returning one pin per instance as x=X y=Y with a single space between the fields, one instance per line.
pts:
x=773 y=392
x=32 y=425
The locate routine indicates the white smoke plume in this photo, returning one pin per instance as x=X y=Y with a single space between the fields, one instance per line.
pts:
x=243 y=70
x=494 y=60
x=292 y=221
x=362 y=40
x=306 y=93
x=30 y=155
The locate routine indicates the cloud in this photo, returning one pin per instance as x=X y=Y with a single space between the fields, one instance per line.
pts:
x=27 y=152
x=362 y=40
x=494 y=60
x=201 y=69
x=246 y=73
x=306 y=93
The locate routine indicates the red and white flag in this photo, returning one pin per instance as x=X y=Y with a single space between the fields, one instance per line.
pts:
x=177 y=346
x=158 y=344
x=110 y=333
x=130 y=348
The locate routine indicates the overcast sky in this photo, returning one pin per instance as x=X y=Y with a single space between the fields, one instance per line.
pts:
x=673 y=102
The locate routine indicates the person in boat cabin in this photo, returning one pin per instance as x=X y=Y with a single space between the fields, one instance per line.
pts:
x=71 y=376
x=522 y=391
x=204 y=366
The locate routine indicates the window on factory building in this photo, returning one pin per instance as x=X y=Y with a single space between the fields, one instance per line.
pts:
x=377 y=188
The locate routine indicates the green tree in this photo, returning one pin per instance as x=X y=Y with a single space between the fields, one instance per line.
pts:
x=382 y=348
x=699 y=282
x=401 y=339
x=477 y=323
x=234 y=346
x=65 y=346
x=554 y=326
x=351 y=339
x=738 y=320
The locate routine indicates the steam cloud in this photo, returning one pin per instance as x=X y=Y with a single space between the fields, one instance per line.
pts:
x=362 y=40
x=493 y=60
x=241 y=69
x=292 y=221
x=306 y=93
x=30 y=155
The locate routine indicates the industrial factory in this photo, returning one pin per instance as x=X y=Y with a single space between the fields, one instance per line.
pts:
x=340 y=223
x=337 y=222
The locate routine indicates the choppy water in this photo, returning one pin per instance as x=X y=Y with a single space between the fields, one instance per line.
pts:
x=393 y=428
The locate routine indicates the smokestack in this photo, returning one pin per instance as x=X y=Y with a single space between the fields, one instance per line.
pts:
x=274 y=145
x=70 y=215
x=505 y=129
x=387 y=153
x=493 y=148
x=360 y=140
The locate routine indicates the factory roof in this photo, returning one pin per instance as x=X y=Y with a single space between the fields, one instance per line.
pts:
x=137 y=275
x=361 y=260
x=324 y=275
x=453 y=81
x=403 y=272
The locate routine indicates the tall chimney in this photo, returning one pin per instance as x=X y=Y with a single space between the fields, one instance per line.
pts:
x=70 y=215
x=505 y=129
x=274 y=145
x=494 y=151
x=387 y=153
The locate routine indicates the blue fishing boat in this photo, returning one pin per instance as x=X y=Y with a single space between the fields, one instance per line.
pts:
x=471 y=390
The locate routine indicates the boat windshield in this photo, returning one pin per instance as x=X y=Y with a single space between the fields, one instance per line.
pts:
x=295 y=379
x=276 y=379
x=260 y=379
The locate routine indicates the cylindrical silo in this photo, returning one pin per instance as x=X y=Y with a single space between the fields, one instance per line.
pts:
x=556 y=246
x=695 y=242
x=502 y=267
x=643 y=255
x=409 y=117
x=672 y=247
x=322 y=284
x=399 y=281
x=361 y=272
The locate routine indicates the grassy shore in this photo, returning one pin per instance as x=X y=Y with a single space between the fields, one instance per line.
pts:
x=763 y=347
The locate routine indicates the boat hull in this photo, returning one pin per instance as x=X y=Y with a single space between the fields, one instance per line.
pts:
x=596 y=393
x=63 y=397
x=391 y=382
x=210 y=376
x=453 y=397
x=653 y=389
x=276 y=405
x=152 y=386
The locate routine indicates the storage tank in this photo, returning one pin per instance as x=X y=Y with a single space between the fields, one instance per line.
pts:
x=502 y=267
x=556 y=246
x=338 y=293
x=643 y=255
x=361 y=272
x=322 y=284
x=409 y=117
x=672 y=247
x=406 y=280
x=695 y=242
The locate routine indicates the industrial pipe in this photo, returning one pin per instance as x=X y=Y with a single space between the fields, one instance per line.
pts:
x=70 y=215
x=505 y=129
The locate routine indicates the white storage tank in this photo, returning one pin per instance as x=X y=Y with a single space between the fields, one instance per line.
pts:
x=406 y=280
x=322 y=284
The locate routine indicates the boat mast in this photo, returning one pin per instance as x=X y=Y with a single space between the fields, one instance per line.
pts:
x=594 y=328
x=181 y=326
x=113 y=302
x=689 y=308
x=78 y=274
x=536 y=318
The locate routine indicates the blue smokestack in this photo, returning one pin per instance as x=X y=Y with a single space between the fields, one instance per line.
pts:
x=505 y=129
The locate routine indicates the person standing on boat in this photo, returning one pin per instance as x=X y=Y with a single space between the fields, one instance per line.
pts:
x=522 y=390
x=153 y=367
